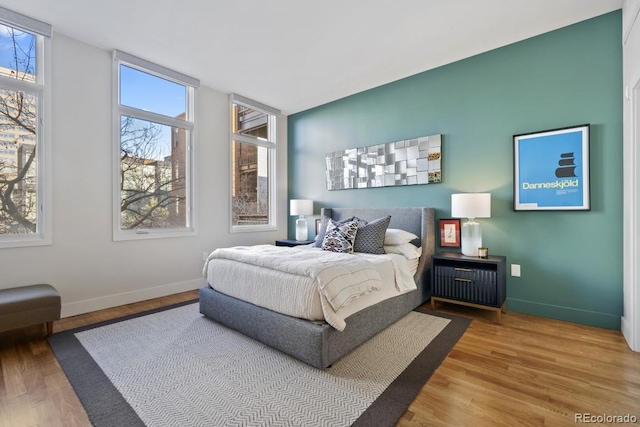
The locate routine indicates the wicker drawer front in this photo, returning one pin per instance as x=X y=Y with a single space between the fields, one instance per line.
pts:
x=466 y=284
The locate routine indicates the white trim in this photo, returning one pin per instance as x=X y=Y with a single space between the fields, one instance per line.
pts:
x=21 y=85
x=273 y=165
x=251 y=140
x=108 y=301
x=630 y=321
x=155 y=117
x=272 y=148
x=115 y=150
x=118 y=110
x=252 y=228
x=42 y=90
x=192 y=172
x=15 y=19
x=239 y=99
x=45 y=172
x=634 y=229
x=159 y=70
x=160 y=233
x=43 y=181
x=631 y=10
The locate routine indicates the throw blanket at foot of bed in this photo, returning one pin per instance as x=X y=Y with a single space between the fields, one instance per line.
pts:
x=340 y=278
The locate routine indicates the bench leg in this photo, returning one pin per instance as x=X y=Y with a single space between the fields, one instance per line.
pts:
x=49 y=328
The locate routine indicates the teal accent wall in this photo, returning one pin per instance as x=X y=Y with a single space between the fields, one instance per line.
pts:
x=571 y=261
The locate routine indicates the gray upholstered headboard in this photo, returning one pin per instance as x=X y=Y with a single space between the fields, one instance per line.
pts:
x=419 y=221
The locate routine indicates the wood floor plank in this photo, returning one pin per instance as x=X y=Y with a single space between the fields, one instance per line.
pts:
x=529 y=371
x=554 y=370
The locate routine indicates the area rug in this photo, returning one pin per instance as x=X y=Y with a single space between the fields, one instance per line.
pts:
x=174 y=367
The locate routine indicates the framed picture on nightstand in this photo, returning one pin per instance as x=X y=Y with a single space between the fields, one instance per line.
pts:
x=450 y=233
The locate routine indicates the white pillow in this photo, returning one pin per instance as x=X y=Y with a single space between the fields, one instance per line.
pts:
x=394 y=236
x=409 y=250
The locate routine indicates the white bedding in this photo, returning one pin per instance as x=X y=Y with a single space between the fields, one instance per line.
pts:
x=309 y=283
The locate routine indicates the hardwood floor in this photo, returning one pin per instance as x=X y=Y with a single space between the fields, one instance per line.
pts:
x=527 y=371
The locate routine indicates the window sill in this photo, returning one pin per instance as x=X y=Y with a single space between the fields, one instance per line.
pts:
x=24 y=241
x=252 y=228
x=124 y=235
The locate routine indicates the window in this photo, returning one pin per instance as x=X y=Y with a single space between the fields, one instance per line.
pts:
x=253 y=159
x=24 y=163
x=153 y=155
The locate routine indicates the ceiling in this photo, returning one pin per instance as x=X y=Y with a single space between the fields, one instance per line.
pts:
x=297 y=54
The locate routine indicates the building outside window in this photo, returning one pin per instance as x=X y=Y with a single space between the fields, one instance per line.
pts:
x=253 y=159
x=24 y=215
x=154 y=129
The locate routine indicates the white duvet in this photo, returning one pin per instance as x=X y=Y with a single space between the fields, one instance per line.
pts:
x=308 y=283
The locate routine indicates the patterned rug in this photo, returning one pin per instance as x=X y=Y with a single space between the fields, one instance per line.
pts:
x=174 y=367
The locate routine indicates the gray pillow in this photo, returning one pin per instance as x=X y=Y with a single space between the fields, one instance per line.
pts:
x=370 y=237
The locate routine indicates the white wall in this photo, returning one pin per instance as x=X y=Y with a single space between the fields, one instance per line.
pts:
x=630 y=322
x=88 y=268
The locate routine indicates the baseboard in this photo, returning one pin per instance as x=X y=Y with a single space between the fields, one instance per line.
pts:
x=108 y=301
x=585 y=317
x=627 y=332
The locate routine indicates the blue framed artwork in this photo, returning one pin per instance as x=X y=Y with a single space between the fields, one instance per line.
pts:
x=551 y=170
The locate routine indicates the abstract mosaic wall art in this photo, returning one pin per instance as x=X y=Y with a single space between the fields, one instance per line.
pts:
x=407 y=162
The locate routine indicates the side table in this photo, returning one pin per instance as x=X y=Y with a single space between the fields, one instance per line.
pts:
x=471 y=281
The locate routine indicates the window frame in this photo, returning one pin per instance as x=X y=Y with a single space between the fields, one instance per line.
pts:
x=189 y=124
x=41 y=88
x=271 y=145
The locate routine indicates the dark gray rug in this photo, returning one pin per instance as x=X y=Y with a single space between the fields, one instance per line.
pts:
x=172 y=366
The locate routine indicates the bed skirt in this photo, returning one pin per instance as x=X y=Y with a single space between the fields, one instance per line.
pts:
x=318 y=345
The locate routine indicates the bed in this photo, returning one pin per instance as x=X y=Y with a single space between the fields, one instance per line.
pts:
x=318 y=343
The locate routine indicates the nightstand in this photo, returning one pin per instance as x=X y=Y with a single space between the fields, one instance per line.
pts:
x=471 y=281
x=292 y=243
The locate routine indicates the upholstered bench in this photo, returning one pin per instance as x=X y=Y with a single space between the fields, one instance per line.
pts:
x=29 y=305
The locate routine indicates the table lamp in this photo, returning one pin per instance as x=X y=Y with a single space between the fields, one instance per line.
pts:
x=471 y=206
x=301 y=207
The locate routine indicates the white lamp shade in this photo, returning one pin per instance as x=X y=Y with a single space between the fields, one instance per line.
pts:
x=471 y=205
x=301 y=207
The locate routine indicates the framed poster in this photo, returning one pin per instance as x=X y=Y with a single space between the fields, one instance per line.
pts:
x=450 y=233
x=551 y=170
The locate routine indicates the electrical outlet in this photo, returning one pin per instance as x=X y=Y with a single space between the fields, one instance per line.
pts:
x=205 y=255
x=515 y=270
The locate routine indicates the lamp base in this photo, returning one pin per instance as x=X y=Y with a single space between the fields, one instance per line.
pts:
x=302 y=232
x=471 y=237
